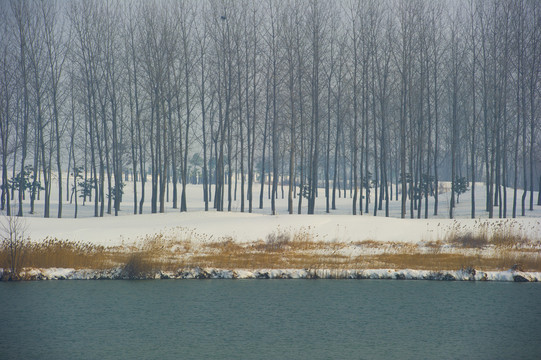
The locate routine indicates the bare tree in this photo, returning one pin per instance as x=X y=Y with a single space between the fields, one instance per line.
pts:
x=317 y=30
x=13 y=235
x=22 y=18
x=7 y=77
x=302 y=93
x=56 y=47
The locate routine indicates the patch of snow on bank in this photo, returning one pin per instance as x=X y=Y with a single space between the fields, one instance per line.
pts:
x=212 y=273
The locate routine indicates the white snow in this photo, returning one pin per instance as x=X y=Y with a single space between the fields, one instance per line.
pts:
x=211 y=273
x=243 y=227
x=198 y=225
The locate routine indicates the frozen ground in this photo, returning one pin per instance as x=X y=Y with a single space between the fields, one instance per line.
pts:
x=354 y=241
x=198 y=225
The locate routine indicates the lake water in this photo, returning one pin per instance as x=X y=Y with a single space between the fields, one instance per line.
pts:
x=270 y=319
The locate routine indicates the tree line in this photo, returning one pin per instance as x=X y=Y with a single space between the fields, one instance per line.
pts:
x=380 y=100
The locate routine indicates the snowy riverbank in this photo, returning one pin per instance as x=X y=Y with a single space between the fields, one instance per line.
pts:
x=213 y=273
x=206 y=242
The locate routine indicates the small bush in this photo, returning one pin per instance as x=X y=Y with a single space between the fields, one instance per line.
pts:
x=138 y=267
x=277 y=241
x=508 y=239
x=470 y=240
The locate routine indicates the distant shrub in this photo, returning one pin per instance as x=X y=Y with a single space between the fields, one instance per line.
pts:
x=138 y=267
x=470 y=240
x=277 y=241
x=460 y=186
x=502 y=234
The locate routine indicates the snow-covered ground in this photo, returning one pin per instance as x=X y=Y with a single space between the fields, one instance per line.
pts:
x=339 y=233
x=243 y=227
x=198 y=225
x=343 y=204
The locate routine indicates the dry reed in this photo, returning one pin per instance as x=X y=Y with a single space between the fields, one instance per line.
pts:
x=459 y=249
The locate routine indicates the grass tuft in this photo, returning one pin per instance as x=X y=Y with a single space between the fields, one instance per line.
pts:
x=470 y=240
x=277 y=241
x=139 y=266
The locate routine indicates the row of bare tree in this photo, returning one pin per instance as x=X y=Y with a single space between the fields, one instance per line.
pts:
x=374 y=98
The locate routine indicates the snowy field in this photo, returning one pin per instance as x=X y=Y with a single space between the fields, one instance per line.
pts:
x=340 y=241
x=199 y=225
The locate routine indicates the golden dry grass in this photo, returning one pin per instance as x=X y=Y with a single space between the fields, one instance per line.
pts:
x=324 y=255
x=299 y=250
x=424 y=261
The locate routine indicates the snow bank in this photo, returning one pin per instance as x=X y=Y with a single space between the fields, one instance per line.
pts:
x=213 y=273
x=199 y=227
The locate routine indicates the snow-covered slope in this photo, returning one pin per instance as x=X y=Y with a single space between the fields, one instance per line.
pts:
x=198 y=225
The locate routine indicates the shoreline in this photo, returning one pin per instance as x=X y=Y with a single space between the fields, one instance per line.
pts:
x=36 y=274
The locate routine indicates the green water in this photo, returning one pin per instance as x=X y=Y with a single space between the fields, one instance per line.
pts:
x=269 y=319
